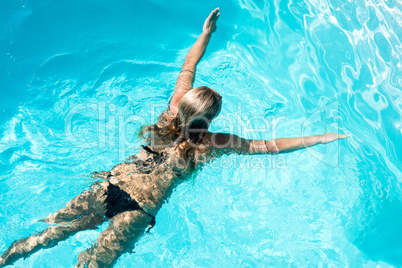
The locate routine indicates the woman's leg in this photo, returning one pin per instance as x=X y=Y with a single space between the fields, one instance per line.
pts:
x=83 y=212
x=47 y=238
x=123 y=231
x=91 y=201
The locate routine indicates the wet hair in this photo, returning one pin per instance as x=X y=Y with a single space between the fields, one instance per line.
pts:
x=196 y=110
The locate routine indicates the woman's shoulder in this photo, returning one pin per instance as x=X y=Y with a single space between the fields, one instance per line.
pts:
x=225 y=143
x=217 y=139
x=165 y=118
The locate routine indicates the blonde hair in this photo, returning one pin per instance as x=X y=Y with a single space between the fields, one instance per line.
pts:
x=196 y=110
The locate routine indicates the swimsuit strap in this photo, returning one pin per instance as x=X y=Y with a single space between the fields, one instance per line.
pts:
x=149 y=150
x=152 y=223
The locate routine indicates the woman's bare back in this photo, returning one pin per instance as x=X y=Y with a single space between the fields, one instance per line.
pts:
x=149 y=178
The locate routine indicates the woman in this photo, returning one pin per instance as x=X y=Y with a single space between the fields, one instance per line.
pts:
x=131 y=194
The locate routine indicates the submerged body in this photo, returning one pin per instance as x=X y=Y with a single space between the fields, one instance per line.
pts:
x=132 y=193
x=150 y=176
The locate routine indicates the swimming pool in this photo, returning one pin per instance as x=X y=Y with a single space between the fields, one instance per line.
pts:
x=79 y=78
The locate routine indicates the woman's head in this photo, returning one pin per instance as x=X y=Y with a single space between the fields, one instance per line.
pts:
x=198 y=107
x=196 y=110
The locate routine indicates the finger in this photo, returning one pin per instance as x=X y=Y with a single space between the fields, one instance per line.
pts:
x=342 y=136
x=211 y=15
x=215 y=18
x=216 y=12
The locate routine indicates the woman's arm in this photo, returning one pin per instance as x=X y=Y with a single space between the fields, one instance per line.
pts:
x=291 y=144
x=281 y=145
x=186 y=77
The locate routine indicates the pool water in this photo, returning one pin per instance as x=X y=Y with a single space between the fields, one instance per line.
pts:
x=78 y=78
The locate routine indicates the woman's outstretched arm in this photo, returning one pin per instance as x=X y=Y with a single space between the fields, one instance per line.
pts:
x=186 y=77
x=284 y=145
x=281 y=145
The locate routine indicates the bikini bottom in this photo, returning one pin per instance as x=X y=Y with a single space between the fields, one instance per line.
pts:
x=118 y=201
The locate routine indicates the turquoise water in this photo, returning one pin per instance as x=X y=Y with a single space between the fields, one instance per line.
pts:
x=79 y=77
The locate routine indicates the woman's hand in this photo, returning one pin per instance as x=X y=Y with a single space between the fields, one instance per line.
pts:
x=330 y=137
x=210 y=22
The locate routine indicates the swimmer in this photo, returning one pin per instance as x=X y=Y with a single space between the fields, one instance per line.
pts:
x=130 y=195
